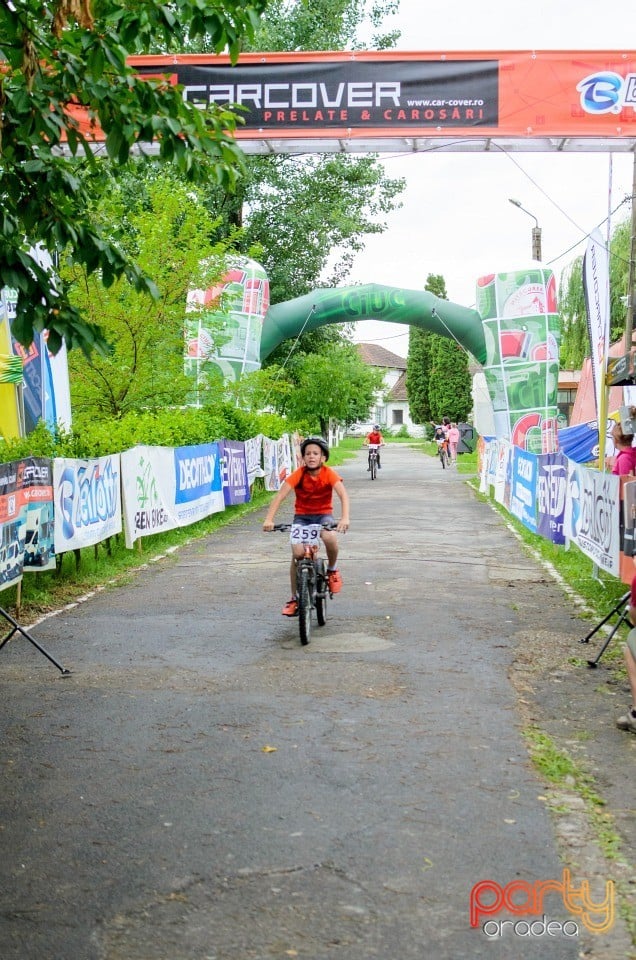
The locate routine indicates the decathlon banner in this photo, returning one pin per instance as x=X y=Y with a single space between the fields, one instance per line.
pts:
x=168 y=487
x=346 y=95
x=592 y=515
x=87 y=497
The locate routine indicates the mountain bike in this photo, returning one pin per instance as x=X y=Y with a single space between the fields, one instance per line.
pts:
x=373 y=460
x=442 y=451
x=312 y=581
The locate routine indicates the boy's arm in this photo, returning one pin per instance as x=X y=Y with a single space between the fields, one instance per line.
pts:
x=343 y=523
x=285 y=490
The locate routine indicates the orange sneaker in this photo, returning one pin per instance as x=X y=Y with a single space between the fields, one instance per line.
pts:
x=291 y=608
x=335 y=581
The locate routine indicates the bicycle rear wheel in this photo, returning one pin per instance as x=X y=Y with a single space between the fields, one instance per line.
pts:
x=322 y=589
x=304 y=604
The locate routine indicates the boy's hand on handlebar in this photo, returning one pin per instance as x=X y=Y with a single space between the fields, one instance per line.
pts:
x=268 y=525
x=343 y=526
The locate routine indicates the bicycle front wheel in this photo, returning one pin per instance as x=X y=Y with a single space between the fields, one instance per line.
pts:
x=374 y=468
x=322 y=589
x=304 y=605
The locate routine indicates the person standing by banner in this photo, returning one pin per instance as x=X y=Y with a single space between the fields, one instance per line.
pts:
x=625 y=459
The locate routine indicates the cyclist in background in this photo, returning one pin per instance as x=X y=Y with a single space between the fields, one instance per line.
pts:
x=314 y=485
x=375 y=438
x=440 y=437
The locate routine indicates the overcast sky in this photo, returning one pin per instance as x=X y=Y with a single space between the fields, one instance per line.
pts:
x=456 y=219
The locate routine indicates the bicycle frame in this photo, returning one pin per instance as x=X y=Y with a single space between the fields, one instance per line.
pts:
x=442 y=451
x=312 y=584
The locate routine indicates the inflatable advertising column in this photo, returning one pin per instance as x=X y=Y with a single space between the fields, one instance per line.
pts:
x=241 y=301
x=522 y=333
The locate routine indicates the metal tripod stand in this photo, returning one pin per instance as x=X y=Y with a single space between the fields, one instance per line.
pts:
x=16 y=628
x=622 y=608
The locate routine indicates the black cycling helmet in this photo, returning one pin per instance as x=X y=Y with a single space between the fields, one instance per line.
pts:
x=324 y=446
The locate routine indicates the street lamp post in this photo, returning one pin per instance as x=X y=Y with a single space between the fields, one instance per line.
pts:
x=536 y=231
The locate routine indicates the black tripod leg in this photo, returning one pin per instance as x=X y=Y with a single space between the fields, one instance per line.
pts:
x=594 y=663
x=621 y=603
x=18 y=629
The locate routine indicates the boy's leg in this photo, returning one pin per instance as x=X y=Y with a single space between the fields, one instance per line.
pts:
x=330 y=541
x=291 y=607
x=331 y=545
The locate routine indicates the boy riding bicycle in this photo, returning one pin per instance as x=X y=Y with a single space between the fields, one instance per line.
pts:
x=375 y=439
x=314 y=485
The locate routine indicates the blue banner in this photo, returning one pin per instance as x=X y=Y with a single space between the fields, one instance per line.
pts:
x=523 y=494
x=552 y=485
x=236 y=488
x=197 y=472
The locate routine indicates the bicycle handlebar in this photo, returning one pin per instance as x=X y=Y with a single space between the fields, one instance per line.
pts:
x=287 y=526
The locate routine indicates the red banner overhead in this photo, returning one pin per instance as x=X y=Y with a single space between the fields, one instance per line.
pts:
x=525 y=100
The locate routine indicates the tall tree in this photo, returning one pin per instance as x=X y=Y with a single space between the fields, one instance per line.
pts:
x=450 y=381
x=438 y=381
x=310 y=217
x=418 y=364
x=57 y=55
x=336 y=385
x=324 y=25
x=165 y=227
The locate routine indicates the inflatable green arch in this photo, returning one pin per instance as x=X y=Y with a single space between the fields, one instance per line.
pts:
x=373 y=302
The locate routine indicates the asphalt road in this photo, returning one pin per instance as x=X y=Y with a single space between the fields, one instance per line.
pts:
x=204 y=788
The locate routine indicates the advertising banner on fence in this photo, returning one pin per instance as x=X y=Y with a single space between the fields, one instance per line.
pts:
x=236 y=489
x=503 y=472
x=284 y=456
x=270 y=463
x=26 y=518
x=39 y=539
x=13 y=511
x=168 y=487
x=254 y=458
x=87 y=496
x=552 y=485
x=592 y=515
x=523 y=494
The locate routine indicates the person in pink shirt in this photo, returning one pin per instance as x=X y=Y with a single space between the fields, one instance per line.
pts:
x=453 y=440
x=625 y=459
